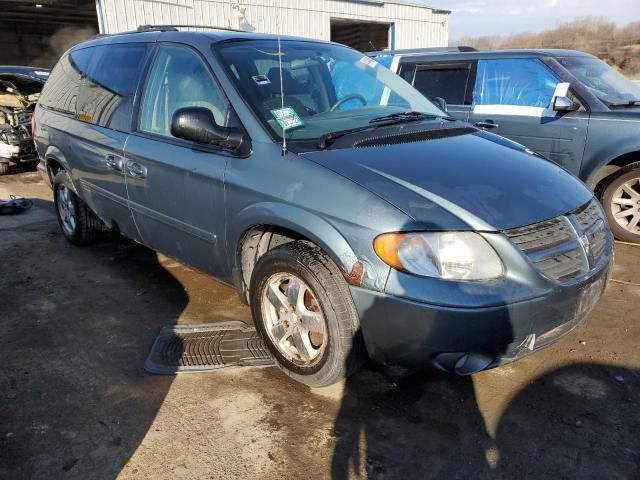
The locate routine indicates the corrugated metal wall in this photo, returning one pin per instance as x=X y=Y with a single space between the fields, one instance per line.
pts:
x=415 y=26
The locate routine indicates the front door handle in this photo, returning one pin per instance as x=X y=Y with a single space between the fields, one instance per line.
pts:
x=135 y=170
x=486 y=124
x=113 y=162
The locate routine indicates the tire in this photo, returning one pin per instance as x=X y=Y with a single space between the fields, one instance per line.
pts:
x=612 y=191
x=78 y=223
x=4 y=168
x=337 y=346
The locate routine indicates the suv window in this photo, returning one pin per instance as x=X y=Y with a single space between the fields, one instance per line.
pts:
x=179 y=78
x=60 y=93
x=448 y=81
x=107 y=93
x=514 y=81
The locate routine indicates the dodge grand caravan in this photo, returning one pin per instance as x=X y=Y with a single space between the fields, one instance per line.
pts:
x=354 y=216
x=567 y=105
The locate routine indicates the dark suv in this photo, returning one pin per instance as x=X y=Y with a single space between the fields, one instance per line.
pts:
x=351 y=213
x=569 y=106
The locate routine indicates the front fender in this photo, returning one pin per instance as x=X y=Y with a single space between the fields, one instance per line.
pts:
x=357 y=270
x=594 y=169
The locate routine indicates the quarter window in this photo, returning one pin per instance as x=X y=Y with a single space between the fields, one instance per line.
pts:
x=178 y=79
x=60 y=93
x=523 y=82
x=107 y=93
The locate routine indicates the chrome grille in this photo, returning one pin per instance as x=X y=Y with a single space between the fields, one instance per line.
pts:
x=592 y=224
x=565 y=247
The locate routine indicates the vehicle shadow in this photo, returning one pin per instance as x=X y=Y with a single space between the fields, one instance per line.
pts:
x=22 y=167
x=578 y=421
x=76 y=325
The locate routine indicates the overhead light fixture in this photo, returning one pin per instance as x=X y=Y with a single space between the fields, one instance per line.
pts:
x=38 y=5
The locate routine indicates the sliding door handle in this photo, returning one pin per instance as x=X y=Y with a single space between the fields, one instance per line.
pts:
x=113 y=162
x=135 y=170
x=486 y=124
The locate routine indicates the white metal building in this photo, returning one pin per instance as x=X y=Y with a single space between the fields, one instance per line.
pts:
x=362 y=24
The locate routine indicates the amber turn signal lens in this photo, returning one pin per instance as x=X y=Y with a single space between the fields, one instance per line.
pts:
x=387 y=247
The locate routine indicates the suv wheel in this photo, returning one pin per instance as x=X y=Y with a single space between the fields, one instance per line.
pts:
x=79 y=225
x=302 y=307
x=621 y=201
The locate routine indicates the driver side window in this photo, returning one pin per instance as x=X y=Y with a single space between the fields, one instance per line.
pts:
x=523 y=82
x=178 y=79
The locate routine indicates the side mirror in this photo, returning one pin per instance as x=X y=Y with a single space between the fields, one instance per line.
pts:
x=564 y=104
x=197 y=124
x=442 y=104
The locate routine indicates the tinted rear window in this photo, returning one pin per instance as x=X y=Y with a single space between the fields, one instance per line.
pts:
x=60 y=93
x=107 y=93
x=447 y=82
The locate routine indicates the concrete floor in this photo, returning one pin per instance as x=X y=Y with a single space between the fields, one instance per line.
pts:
x=76 y=325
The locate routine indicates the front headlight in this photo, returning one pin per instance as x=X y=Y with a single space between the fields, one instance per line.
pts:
x=446 y=255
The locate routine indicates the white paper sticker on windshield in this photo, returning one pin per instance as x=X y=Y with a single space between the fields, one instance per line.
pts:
x=287 y=118
x=369 y=62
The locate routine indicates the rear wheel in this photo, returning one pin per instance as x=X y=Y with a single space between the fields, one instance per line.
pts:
x=621 y=201
x=302 y=307
x=4 y=168
x=78 y=223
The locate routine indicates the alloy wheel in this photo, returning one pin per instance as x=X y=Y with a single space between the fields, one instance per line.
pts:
x=625 y=205
x=293 y=319
x=66 y=209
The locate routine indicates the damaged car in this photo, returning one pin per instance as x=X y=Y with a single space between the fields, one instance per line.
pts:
x=355 y=217
x=20 y=89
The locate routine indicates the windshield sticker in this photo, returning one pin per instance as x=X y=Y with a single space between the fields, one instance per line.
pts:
x=261 y=80
x=42 y=74
x=287 y=118
x=369 y=62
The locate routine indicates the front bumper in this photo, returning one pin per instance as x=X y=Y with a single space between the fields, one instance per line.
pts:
x=466 y=340
x=20 y=147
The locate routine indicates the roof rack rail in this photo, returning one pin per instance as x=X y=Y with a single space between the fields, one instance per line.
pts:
x=461 y=48
x=174 y=28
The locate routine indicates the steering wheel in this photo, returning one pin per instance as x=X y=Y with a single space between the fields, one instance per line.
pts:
x=346 y=98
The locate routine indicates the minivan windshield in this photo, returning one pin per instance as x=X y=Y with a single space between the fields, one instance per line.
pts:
x=607 y=84
x=327 y=88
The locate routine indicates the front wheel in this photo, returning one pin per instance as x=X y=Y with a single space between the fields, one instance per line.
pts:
x=302 y=307
x=621 y=201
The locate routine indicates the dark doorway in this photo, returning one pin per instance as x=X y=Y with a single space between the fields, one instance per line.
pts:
x=363 y=36
x=37 y=33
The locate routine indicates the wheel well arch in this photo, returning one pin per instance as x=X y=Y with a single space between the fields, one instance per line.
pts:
x=604 y=173
x=254 y=243
x=53 y=167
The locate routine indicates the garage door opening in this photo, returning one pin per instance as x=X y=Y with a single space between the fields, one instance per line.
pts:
x=363 y=36
x=36 y=33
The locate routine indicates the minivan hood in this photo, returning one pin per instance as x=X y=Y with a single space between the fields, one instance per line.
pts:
x=465 y=182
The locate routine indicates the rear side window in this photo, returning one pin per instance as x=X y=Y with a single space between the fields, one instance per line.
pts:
x=107 y=93
x=178 y=79
x=523 y=82
x=446 y=81
x=60 y=93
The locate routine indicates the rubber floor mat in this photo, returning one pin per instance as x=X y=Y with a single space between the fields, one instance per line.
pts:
x=198 y=348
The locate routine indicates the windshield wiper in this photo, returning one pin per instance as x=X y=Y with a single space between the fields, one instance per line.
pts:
x=327 y=138
x=630 y=103
x=401 y=117
x=385 y=120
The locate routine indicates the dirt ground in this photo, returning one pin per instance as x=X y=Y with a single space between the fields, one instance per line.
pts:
x=76 y=325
